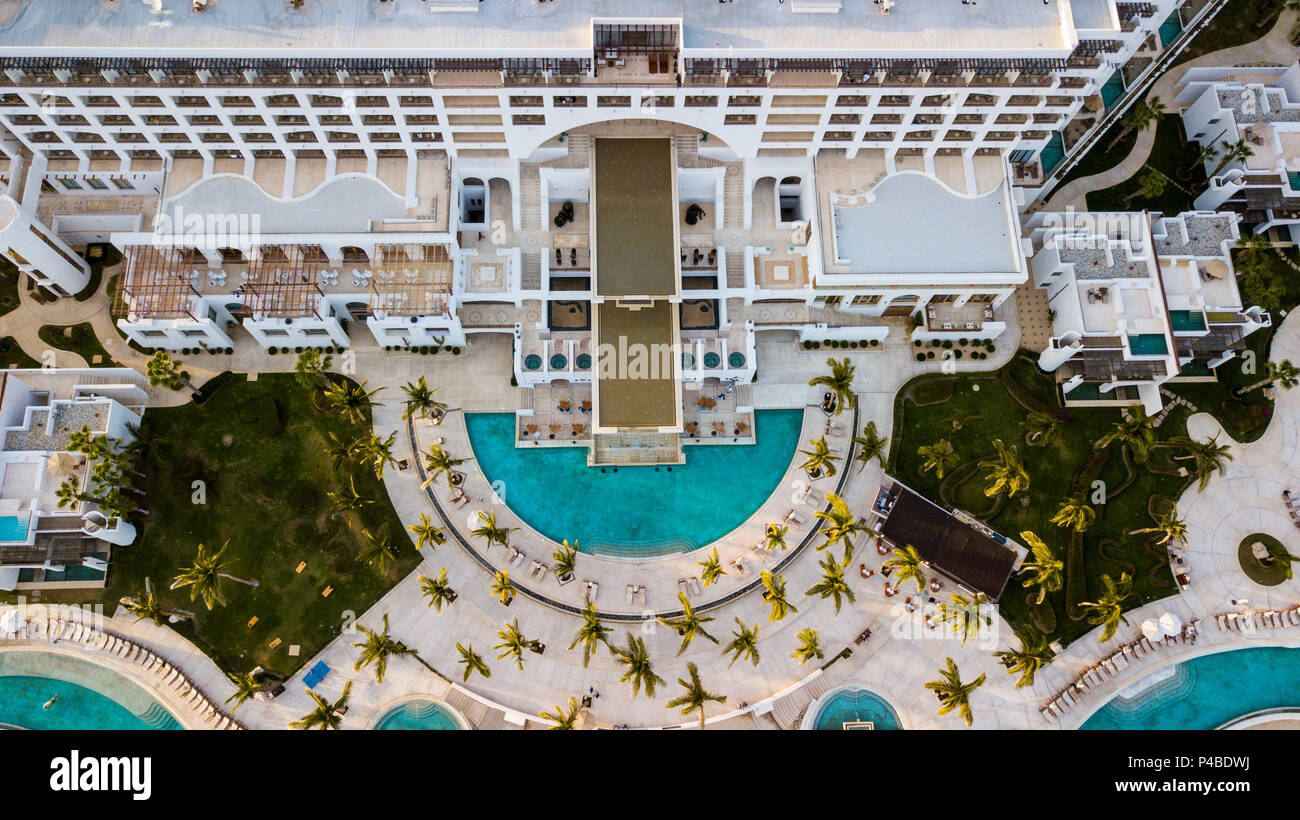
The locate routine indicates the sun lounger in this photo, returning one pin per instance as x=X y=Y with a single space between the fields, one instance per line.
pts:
x=694 y=584
x=640 y=595
x=1293 y=617
x=793 y=518
x=682 y=587
x=518 y=559
x=629 y=595
x=739 y=566
x=592 y=589
x=539 y=569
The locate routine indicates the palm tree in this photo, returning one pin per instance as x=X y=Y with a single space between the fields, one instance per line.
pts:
x=1169 y=526
x=339 y=453
x=841 y=526
x=473 y=662
x=490 y=532
x=591 y=634
x=871 y=446
x=712 y=568
x=744 y=644
x=70 y=495
x=809 y=647
x=1075 y=513
x=961 y=417
x=378 y=451
x=326 y=715
x=1151 y=184
x=954 y=695
x=376 y=649
x=774 y=595
x=146 y=605
x=1041 y=428
x=203 y=577
x=907 y=562
x=347 y=501
x=1284 y=374
x=1137 y=433
x=513 y=643
x=310 y=368
x=820 y=461
x=1204 y=154
x=939 y=457
x=426 y=534
x=564 y=720
x=840 y=382
x=564 y=560
x=966 y=615
x=1045 y=571
x=1141 y=116
x=689 y=625
x=379 y=549
x=636 y=663
x=350 y=398
x=774 y=536
x=161 y=370
x=1108 y=610
x=1032 y=655
x=437 y=590
x=832 y=584
x=696 y=696
x=247 y=686
x=437 y=461
x=502 y=588
x=1209 y=456
x=1278 y=554
x=1006 y=474
x=420 y=400
x=1238 y=151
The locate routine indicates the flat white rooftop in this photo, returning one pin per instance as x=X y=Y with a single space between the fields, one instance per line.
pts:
x=342 y=205
x=916 y=225
x=336 y=28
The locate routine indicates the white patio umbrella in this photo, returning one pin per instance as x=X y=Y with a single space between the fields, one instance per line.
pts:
x=1151 y=629
x=61 y=464
x=1171 y=624
x=12 y=621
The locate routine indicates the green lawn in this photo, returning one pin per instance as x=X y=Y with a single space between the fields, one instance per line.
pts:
x=79 y=339
x=1174 y=157
x=256 y=446
x=1055 y=470
x=12 y=355
x=98 y=256
x=1237 y=23
x=1101 y=157
x=9 y=277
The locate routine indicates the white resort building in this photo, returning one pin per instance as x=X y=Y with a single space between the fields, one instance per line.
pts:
x=43 y=545
x=1137 y=299
x=1256 y=109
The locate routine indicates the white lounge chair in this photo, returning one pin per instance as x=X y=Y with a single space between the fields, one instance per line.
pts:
x=629 y=595
x=640 y=595
x=694 y=585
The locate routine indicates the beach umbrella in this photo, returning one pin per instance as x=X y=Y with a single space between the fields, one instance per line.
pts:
x=61 y=464
x=1151 y=629
x=1171 y=624
x=11 y=621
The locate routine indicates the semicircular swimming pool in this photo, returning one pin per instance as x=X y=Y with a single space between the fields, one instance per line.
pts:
x=636 y=511
x=418 y=715
x=855 y=708
x=85 y=695
x=1207 y=692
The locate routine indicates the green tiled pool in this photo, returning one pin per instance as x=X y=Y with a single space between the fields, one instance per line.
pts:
x=1148 y=344
x=1113 y=89
x=1187 y=319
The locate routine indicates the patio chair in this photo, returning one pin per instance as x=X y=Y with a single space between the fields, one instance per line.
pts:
x=629 y=595
x=694 y=584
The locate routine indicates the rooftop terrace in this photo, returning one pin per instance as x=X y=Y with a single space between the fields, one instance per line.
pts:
x=331 y=27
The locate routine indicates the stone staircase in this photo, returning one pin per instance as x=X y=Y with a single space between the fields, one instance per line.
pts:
x=579 y=155
x=735 y=265
x=733 y=197
x=530 y=273
x=530 y=196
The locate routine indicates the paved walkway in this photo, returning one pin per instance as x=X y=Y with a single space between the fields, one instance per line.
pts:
x=1272 y=48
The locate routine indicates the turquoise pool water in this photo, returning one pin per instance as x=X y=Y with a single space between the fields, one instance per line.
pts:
x=417 y=715
x=1148 y=344
x=113 y=703
x=1187 y=319
x=636 y=510
x=853 y=705
x=1052 y=154
x=1113 y=89
x=1170 y=29
x=1209 y=691
x=12 y=528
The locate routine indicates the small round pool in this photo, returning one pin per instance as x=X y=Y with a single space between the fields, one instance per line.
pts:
x=532 y=362
x=712 y=359
x=558 y=361
x=688 y=361
x=855 y=708
x=418 y=715
x=86 y=695
x=584 y=361
x=736 y=360
x=1207 y=692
